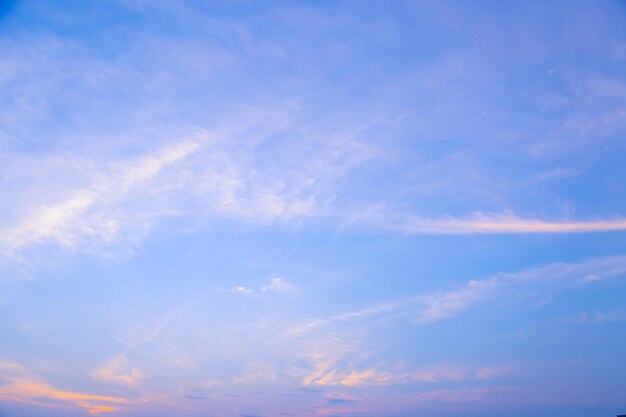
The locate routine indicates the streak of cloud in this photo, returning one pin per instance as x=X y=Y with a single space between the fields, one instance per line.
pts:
x=21 y=385
x=444 y=305
x=89 y=215
x=500 y=224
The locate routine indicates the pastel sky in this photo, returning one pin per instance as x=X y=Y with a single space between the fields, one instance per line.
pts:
x=349 y=208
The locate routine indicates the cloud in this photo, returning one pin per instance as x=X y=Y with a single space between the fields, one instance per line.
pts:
x=91 y=216
x=481 y=223
x=118 y=370
x=444 y=305
x=367 y=377
x=279 y=285
x=439 y=372
x=439 y=307
x=96 y=203
x=337 y=357
x=349 y=315
x=494 y=371
x=202 y=178
x=473 y=394
x=454 y=372
x=590 y=278
x=257 y=372
x=208 y=384
x=275 y=284
x=20 y=385
x=240 y=289
x=328 y=373
x=613 y=315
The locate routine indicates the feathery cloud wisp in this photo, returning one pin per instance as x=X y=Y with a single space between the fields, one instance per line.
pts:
x=279 y=285
x=118 y=370
x=21 y=385
x=500 y=224
x=443 y=305
x=92 y=215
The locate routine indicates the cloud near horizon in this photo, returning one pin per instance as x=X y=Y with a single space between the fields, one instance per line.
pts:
x=22 y=386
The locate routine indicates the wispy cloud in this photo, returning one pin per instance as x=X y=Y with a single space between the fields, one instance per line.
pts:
x=240 y=289
x=119 y=370
x=201 y=178
x=279 y=285
x=21 y=385
x=212 y=383
x=475 y=394
x=327 y=373
x=357 y=314
x=613 y=315
x=122 y=205
x=444 y=305
x=206 y=180
x=274 y=284
x=482 y=223
x=92 y=216
x=257 y=373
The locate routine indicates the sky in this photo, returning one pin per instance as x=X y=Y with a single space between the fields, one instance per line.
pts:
x=298 y=208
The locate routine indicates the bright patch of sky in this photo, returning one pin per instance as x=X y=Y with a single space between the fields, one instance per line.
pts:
x=312 y=208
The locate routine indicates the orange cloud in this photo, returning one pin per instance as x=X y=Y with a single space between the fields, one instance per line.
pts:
x=20 y=385
x=118 y=370
x=367 y=377
x=95 y=409
x=323 y=375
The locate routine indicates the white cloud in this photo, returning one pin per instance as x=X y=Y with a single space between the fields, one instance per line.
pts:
x=279 y=285
x=613 y=315
x=444 y=305
x=242 y=290
x=94 y=216
x=275 y=284
x=206 y=177
x=98 y=203
x=552 y=276
x=590 y=278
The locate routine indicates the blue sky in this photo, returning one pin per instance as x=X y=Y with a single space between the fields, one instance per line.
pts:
x=312 y=208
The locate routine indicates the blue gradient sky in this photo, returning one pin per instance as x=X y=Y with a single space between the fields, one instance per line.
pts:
x=312 y=208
